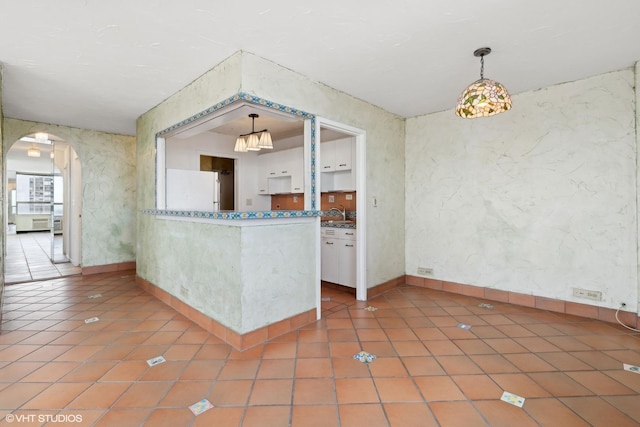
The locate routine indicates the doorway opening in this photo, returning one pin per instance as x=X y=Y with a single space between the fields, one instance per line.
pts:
x=43 y=193
x=343 y=195
x=224 y=189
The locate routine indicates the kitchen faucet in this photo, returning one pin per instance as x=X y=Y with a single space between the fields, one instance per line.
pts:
x=342 y=211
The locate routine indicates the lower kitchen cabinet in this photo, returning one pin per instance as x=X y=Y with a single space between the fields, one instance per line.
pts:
x=338 y=256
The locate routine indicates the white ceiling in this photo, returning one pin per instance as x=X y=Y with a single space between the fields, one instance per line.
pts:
x=99 y=64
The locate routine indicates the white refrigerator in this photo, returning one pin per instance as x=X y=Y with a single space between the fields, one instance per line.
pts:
x=193 y=190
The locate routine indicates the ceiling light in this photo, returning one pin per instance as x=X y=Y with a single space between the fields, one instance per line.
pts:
x=254 y=141
x=484 y=97
x=42 y=138
x=33 y=152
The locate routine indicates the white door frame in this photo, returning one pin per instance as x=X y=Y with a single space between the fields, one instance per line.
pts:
x=361 y=194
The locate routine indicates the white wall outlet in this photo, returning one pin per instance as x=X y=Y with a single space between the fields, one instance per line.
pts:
x=424 y=271
x=348 y=196
x=587 y=294
x=332 y=198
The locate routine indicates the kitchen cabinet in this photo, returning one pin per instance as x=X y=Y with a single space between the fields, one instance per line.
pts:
x=336 y=155
x=337 y=167
x=338 y=256
x=281 y=172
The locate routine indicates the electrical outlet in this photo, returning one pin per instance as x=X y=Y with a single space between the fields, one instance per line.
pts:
x=332 y=198
x=348 y=196
x=587 y=294
x=423 y=271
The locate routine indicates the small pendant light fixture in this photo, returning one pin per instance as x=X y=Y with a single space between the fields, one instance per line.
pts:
x=255 y=141
x=484 y=97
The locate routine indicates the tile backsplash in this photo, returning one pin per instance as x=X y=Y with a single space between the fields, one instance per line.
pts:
x=295 y=202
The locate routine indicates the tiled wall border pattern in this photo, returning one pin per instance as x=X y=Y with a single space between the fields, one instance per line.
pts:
x=238 y=341
x=245 y=97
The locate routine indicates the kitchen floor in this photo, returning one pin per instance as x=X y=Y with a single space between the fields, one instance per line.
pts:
x=427 y=372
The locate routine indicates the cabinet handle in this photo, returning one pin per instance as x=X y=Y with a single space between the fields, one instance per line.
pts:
x=296 y=188
x=328 y=243
x=326 y=167
x=272 y=173
x=343 y=164
x=349 y=234
x=284 y=171
x=349 y=246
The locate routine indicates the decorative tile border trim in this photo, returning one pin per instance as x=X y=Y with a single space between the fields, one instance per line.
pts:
x=245 y=97
x=233 y=215
x=542 y=303
x=238 y=341
x=108 y=268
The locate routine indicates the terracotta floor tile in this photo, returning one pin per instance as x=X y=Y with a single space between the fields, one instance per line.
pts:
x=341 y=335
x=438 y=388
x=410 y=348
x=442 y=348
x=185 y=393
x=399 y=390
x=596 y=359
x=429 y=334
x=89 y=371
x=505 y=345
x=344 y=349
x=113 y=352
x=165 y=417
x=101 y=395
x=629 y=405
x=166 y=371
x=536 y=344
x=181 y=351
x=220 y=417
x=372 y=335
x=379 y=348
x=280 y=350
x=314 y=391
x=514 y=331
x=313 y=368
x=356 y=390
x=597 y=412
x=387 y=367
x=57 y=396
x=458 y=365
x=409 y=415
x=493 y=363
x=46 y=353
x=239 y=369
x=349 y=368
x=401 y=334
x=567 y=343
x=213 y=351
x=474 y=346
x=123 y=418
x=477 y=387
x=17 y=351
x=370 y=415
x=314 y=349
x=318 y=335
x=552 y=412
x=79 y=353
x=559 y=384
x=315 y=416
x=564 y=362
x=13 y=372
x=519 y=384
x=456 y=414
x=230 y=393
x=501 y=414
x=143 y=395
x=162 y=337
x=267 y=416
x=15 y=395
x=271 y=392
x=418 y=366
x=50 y=372
x=145 y=352
x=623 y=377
x=599 y=383
x=127 y=370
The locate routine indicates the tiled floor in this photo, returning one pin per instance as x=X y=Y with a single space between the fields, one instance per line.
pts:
x=428 y=372
x=28 y=257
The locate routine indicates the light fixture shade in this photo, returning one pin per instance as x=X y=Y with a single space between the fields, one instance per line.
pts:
x=483 y=98
x=33 y=152
x=265 y=141
x=42 y=137
x=241 y=145
x=253 y=142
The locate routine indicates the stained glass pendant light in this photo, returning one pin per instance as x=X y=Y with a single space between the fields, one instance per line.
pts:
x=484 y=97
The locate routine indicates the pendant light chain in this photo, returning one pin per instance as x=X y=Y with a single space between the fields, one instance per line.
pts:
x=481 y=67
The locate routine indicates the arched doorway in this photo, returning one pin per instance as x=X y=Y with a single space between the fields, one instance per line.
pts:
x=43 y=225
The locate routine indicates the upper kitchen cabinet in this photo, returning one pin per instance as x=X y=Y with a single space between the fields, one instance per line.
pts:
x=337 y=155
x=337 y=165
x=281 y=172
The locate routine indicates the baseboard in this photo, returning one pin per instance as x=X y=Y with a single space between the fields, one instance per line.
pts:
x=109 y=268
x=238 y=341
x=543 y=303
